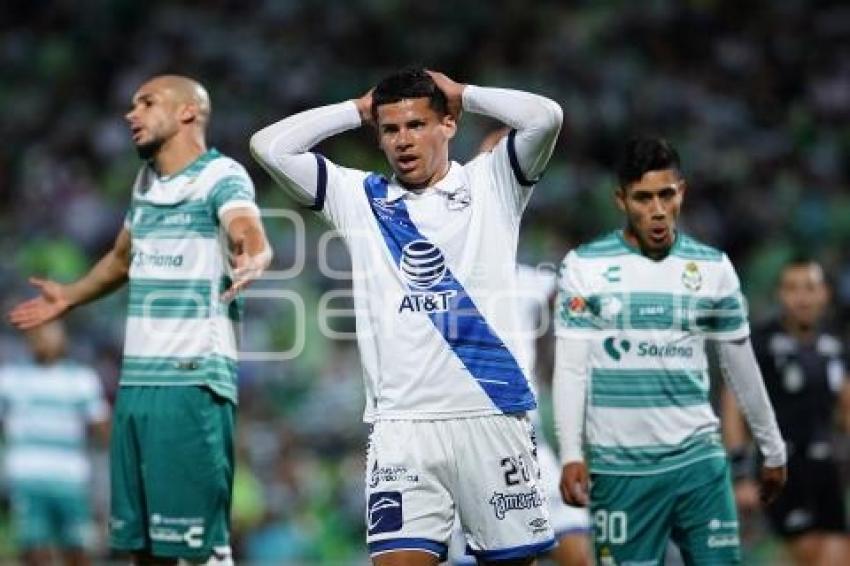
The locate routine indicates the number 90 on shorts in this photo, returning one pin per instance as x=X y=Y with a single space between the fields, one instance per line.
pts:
x=610 y=527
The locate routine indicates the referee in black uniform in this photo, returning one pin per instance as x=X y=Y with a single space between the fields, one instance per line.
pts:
x=805 y=371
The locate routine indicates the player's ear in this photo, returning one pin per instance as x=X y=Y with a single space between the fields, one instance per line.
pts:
x=449 y=125
x=187 y=113
x=620 y=198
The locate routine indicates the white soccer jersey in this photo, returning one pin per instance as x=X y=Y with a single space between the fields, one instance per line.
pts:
x=178 y=331
x=437 y=324
x=648 y=394
x=45 y=411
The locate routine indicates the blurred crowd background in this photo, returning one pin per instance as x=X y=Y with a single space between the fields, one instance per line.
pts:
x=755 y=95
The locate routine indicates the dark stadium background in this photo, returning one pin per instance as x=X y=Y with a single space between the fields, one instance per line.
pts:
x=755 y=95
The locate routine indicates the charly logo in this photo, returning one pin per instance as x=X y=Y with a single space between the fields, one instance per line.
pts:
x=612 y=274
x=691 y=277
x=615 y=348
x=422 y=264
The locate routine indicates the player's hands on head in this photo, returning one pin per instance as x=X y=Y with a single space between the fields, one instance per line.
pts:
x=51 y=303
x=364 y=107
x=453 y=91
x=574 y=484
x=771 y=482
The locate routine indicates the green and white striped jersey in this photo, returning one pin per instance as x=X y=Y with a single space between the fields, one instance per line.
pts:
x=178 y=331
x=45 y=412
x=648 y=405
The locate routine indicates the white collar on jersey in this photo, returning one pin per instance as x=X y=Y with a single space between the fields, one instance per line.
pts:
x=448 y=185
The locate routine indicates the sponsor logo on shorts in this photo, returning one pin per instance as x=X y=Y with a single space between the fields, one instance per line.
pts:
x=720 y=541
x=116 y=524
x=538 y=525
x=384 y=512
x=716 y=524
x=180 y=530
x=503 y=503
x=605 y=558
x=397 y=473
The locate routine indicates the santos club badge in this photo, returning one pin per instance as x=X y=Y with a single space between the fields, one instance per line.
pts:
x=691 y=277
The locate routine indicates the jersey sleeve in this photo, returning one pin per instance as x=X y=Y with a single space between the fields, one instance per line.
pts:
x=724 y=316
x=341 y=194
x=574 y=317
x=518 y=160
x=233 y=190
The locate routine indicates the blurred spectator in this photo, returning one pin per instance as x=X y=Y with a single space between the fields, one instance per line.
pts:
x=50 y=409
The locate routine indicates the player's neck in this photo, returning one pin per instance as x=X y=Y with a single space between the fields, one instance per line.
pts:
x=803 y=333
x=435 y=178
x=178 y=153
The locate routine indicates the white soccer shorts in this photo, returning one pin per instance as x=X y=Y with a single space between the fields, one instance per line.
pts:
x=420 y=473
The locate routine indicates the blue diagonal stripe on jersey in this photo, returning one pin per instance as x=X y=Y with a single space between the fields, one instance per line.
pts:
x=463 y=327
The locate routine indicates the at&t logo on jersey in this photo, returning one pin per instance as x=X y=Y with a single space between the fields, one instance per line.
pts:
x=423 y=266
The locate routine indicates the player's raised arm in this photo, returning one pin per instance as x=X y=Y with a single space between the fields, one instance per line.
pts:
x=109 y=273
x=283 y=148
x=535 y=119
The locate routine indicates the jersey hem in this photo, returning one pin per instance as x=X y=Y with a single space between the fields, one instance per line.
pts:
x=660 y=470
x=441 y=416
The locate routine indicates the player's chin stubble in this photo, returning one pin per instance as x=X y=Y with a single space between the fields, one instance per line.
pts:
x=147 y=150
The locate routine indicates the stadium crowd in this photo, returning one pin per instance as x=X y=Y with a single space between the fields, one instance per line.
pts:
x=755 y=96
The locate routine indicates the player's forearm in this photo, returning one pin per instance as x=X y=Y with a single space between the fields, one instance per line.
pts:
x=108 y=274
x=282 y=148
x=569 y=389
x=536 y=119
x=247 y=235
x=741 y=371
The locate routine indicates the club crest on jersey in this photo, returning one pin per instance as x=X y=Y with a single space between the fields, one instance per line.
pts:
x=691 y=277
x=459 y=199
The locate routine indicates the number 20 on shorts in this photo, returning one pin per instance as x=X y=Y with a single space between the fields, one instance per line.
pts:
x=610 y=526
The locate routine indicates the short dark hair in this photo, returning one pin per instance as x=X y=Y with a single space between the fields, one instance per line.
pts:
x=644 y=154
x=410 y=82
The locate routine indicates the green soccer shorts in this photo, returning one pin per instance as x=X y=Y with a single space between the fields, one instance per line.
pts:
x=51 y=513
x=171 y=469
x=635 y=516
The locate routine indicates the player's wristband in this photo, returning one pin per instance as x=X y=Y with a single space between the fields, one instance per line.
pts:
x=741 y=463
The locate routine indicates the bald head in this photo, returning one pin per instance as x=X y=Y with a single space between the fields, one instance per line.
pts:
x=184 y=91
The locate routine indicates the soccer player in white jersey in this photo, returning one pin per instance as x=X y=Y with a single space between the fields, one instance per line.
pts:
x=433 y=251
x=51 y=409
x=634 y=312
x=171 y=453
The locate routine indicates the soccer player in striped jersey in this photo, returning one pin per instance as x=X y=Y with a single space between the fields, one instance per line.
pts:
x=634 y=312
x=51 y=409
x=433 y=250
x=172 y=444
